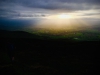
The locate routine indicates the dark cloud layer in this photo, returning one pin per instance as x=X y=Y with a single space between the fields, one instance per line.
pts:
x=53 y=4
x=10 y=8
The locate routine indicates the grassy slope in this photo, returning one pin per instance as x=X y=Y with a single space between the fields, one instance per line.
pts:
x=86 y=35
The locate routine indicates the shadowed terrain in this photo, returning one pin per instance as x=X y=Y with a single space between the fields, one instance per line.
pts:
x=36 y=56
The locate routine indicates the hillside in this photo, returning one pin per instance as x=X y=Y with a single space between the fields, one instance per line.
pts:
x=48 y=57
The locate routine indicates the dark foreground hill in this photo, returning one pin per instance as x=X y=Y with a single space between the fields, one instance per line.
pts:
x=34 y=56
x=15 y=34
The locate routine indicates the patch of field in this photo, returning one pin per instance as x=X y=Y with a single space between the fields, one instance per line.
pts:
x=75 y=35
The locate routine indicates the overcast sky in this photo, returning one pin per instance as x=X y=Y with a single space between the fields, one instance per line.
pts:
x=36 y=10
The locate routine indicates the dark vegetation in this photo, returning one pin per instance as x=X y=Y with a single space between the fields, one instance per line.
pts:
x=34 y=56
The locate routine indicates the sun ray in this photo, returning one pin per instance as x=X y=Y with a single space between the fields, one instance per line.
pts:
x=62 y=21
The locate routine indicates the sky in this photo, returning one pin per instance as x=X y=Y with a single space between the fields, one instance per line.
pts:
x=57 y=14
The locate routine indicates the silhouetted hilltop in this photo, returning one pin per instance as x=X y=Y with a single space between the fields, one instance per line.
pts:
x=30 y=36
x=15 y=34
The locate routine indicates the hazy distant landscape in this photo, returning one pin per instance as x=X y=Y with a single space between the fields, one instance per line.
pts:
x=78 y=35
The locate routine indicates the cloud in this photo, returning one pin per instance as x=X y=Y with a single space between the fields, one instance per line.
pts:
x=42 y=8
x=23 y=13
x=56 y=4
x=61 y=4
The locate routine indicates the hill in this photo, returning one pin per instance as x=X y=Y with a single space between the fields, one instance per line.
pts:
x=46 y=56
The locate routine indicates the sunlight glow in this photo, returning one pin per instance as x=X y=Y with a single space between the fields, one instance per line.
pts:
x=65 y=16
x=61 y=16
x=62 y=21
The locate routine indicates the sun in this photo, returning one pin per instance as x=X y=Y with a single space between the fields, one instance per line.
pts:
x=61 y=16
x=64 y=16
